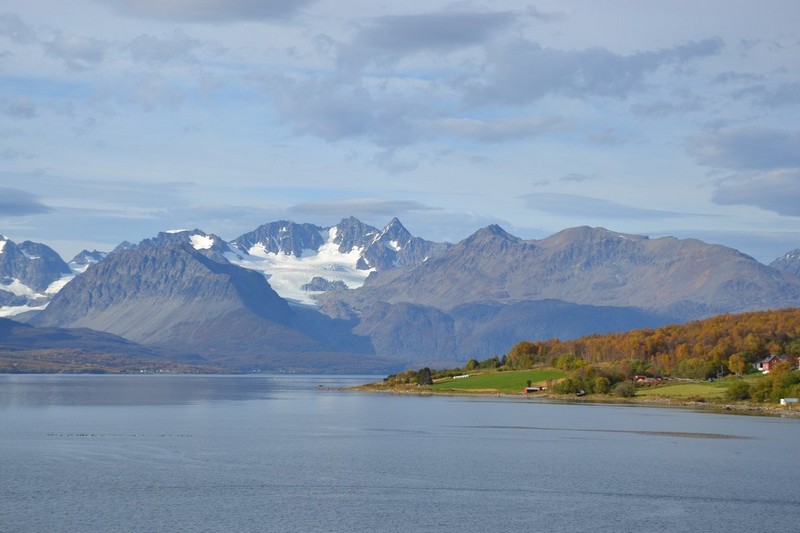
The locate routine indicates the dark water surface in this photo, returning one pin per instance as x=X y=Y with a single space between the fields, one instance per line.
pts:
x=291 y=453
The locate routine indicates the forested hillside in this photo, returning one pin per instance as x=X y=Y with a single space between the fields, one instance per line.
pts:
x=697 y=349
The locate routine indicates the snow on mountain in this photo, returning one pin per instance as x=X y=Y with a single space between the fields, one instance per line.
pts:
x=789 y=263
x=85 y=259
x=29 y=273
x=287 y=273
x=201 y=242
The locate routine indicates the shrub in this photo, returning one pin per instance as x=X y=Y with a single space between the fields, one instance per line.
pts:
x=602 y=385
x=625 y=389
x=740 y=390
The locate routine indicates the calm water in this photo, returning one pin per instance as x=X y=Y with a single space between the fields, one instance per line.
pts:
x=231 y=454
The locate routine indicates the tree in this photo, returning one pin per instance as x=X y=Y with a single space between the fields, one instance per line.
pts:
x=736 y=364
x=424 y=376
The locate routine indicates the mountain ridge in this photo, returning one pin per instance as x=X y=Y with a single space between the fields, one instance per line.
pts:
x=352 y=296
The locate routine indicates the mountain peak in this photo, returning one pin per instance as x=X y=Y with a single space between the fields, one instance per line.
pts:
x=788 y=263
x=490 y=233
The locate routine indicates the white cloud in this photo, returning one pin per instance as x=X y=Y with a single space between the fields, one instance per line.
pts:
x=77 y=52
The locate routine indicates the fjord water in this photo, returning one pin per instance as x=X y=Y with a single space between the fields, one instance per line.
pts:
x=294 y=453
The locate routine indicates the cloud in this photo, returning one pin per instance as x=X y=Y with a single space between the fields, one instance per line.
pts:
x=393 y=161
x=108 y=194
x=663 y=108
x=78 y=53
x=498 y=130
x=606 y=137
x=521 y=71
x=763 y=166
x=331 y=110
x=210 y=11
x=784 y=94
x=585 y=206
x=541 y=16
x=176 y=46
x=387 y=39
x=10 y=154
x=359 y=207
x=20 y=108
x=576 y=178
x=775 y=190
x=152 y=91
x=747 y=149
x=13 y=28
x=733 y=77
x=16 y=202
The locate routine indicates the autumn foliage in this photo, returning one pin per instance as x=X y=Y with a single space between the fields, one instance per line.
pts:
x=728 y=343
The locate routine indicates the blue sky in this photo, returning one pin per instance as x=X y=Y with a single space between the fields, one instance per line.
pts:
x=122 y=118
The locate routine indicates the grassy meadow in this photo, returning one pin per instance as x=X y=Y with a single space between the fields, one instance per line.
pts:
x=505 y=382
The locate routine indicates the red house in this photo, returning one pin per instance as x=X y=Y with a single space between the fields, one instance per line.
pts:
x=768 y=363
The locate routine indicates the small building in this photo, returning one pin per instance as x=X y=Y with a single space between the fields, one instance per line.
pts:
x=768 y=363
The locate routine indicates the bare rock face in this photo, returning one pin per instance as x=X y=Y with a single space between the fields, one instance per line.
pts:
x=686 y=278
x=34 y=265
x=789 y=263
x=282 y=237
x=423 y=303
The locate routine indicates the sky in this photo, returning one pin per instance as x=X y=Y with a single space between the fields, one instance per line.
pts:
x=123 y=118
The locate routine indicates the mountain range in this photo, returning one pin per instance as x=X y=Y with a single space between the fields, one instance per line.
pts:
x=355 y=298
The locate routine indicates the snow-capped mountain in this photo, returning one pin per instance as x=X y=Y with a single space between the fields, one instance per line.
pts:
x=789 y=263
x=303 y=260
x=410 y=302
x=30 y=273
x=85 y=259
x=299 y=260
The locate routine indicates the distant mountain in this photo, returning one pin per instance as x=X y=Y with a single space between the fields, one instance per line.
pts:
x=85 y=259
x=425 y=335
x=685 y=279
x=302 y=260
x=27 y=272
x=492 y=289
x=789 y=263
x=24 y=348
x=170 y=294
x=355 y=298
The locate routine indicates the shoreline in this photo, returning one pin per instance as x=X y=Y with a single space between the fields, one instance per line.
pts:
x=744 y=409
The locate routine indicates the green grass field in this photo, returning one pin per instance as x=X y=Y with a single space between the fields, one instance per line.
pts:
x=686 y=391
x=514 y=381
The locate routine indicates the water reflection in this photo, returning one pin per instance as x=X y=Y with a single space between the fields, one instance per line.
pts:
x=133 y=390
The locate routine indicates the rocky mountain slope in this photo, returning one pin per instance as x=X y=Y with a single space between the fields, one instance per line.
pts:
x=684 y=279
x=28 y=272
x=789 y=263
x=173 y=295
x=352 y=297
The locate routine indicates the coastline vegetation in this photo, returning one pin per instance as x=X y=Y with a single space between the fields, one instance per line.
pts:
x=712 y=361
